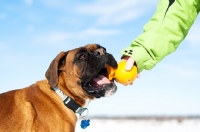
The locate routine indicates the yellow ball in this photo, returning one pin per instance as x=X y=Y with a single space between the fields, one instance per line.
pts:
x=121 y=75
x=125 y=77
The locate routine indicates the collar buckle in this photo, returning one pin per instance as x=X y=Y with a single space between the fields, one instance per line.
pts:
x=80 y=110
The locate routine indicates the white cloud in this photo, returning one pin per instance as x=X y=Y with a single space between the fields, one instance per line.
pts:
x=107 y=11
x=115 y=11
x=28 y=2
x=62 y=37
x=59 y=4
x=53 y=38
x=97 y=32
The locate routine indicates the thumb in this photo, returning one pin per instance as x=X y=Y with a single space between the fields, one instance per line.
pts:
x=129 y=64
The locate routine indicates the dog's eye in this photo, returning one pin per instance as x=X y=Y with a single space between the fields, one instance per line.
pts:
x=82 y=57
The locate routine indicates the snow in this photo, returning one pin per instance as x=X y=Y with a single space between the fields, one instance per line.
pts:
x=141 y=125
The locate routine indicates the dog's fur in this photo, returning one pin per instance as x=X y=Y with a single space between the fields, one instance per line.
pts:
x=38 y=108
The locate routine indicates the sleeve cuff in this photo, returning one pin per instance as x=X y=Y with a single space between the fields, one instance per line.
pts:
x=141 y=57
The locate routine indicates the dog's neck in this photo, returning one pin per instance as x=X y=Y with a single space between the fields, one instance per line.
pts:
x=70 y=103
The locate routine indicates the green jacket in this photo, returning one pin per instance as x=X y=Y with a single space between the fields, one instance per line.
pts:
x=163 y=33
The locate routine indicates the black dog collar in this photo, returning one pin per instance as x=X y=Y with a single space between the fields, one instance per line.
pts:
x=69 y=102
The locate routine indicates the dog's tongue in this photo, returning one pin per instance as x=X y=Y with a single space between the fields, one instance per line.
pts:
x=99 y=80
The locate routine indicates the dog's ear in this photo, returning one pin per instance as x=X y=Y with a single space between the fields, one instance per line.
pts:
x=53 y=71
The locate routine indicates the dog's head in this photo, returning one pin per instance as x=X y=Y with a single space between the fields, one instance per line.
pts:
x=81 y=72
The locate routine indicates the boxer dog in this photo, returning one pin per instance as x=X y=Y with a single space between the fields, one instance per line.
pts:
x=51 y=105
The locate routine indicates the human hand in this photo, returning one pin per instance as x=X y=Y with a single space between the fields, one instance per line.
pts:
x=129 y=63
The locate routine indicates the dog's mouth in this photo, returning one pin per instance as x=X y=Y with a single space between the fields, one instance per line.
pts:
x=100 y=85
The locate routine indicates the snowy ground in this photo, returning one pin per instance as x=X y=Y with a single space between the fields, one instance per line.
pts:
x=142 y=125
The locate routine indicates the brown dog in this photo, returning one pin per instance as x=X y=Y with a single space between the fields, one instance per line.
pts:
x=51 y=105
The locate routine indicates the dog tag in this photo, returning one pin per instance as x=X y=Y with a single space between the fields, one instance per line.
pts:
x=85 y=123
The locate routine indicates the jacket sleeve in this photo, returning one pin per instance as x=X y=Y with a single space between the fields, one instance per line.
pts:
x=163 y=33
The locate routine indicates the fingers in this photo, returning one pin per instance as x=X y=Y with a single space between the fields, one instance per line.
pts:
x=129 y=64
x=138 y=75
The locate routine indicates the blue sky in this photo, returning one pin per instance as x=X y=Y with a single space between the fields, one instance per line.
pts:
x=33 y=32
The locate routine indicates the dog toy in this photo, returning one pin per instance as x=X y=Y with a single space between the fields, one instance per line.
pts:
x=85 y=122
x=121 y=75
